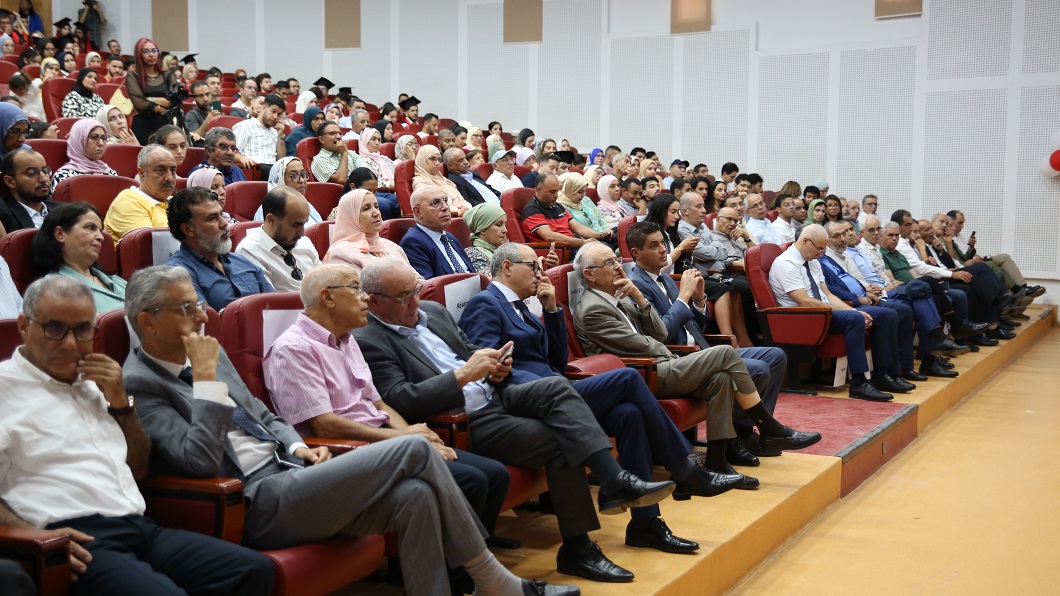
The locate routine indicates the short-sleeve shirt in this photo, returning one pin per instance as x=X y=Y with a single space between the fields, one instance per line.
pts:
x=789 y=274
x=133 y=209
x=536 y=214
x=240 y=277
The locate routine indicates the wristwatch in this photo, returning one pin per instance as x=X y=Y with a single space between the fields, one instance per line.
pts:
x=122 y=411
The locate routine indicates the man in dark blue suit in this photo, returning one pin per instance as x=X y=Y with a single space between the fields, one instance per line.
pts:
x=471 y=186
x=431 y=250
x=684 y=312
x=619 y=399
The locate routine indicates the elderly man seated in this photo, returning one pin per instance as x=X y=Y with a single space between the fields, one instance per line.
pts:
x=144 y=207
x=220 y=143
x=334 y=161
x=545 y=220
x=758 y=226
x=471 y=186
x=503 y=176
x=430 y=249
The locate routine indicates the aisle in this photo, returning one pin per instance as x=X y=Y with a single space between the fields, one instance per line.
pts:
x=970 y=507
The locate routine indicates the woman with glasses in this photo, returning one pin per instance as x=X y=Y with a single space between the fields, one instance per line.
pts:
x=429 y=173
x=68 y=243
x=211 y=178
x=355 y=239
x=474 y=138
x=147 y=85
x=488 y=224
x=84 y=151
x=14 y=126
x=289 y=171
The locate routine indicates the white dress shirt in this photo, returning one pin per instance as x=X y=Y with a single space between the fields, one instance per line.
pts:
x=501 y=183
x=36 y=216
x=10 y=299
x=917 y=264
x=436 y=237
x=789 y=274
x=762 y=231
x=785 y=230
x=263 y=251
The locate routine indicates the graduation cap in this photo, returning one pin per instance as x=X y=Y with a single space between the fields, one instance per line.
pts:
x=62 y=23
x=409 y=102
x=346 y=90
x=81 y=27
x=564 y=156
x=323 y=82
x=189 y=59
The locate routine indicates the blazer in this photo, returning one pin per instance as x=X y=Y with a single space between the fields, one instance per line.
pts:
x=425 y=256
x=14 y=217
x=490 y=321
x=603 y=329
x=677 y=314
x=189 y=436
x=467 y=191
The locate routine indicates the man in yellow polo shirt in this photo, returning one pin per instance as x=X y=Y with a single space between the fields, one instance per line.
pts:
x=144 y=207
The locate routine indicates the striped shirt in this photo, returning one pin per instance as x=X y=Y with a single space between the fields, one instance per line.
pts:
x=255 y=141
x=326 y=163
x=10 y=300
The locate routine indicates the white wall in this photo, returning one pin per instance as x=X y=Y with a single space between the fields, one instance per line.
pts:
x=951 y=109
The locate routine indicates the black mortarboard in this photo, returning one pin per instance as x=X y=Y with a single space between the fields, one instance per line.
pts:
x=565 y=156
x=189 y=59
x=60 y=42
x=323 y=82
x=346 y=90
x=81 y=27
x=409 y=102
x=62 y=23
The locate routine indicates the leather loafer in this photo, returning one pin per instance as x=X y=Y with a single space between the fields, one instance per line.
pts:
x=589 y=562
x=1018 y=316
x=634 y=493
x=933 y=368
x=791 y=441
x=984 y=340
x=746 y=482
x=970 y=344
x=888 y=383
x=1034 y=291
x=738 y=455
x=536 y=587
x=868 y=392
x=912 y=375
x=1006 y=301
x=1000 y=333
x=658 y=536
x=704 y=483
x=950 y=348
x=969 y=329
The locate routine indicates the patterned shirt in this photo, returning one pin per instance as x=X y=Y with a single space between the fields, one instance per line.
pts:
x=327 y=162
x=256 y=141
x=76 y=106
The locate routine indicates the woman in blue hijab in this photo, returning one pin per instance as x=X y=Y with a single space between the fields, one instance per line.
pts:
x=311 y=118
x=14 y=125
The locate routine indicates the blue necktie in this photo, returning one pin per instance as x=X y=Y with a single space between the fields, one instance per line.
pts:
x=813 y=285
x=458 y=266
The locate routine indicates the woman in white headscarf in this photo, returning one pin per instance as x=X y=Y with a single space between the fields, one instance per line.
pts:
x=289 y=171
x=305 y=99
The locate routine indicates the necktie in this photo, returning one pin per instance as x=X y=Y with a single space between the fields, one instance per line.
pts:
x=691 y=328
x=528 y=317
x=813 y=285
x=185 y=375
x=458 y=265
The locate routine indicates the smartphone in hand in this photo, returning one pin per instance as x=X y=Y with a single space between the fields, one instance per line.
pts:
x=216 y=105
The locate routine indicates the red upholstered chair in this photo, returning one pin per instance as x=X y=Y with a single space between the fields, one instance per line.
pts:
x=394 y=229
x=296 y=117
x=387 y=149
x=42 y=554
x=320 y=235
x=324 y=196
x=352 y=144
x=107 y=90
x=623 y=227
x=244 y=198
x=64 y=125
x=306 y=150
x=512 y=201
x=53 y=150
x=241 y=330
x=53 y=92
x=458 y=227
x=32 y=71
x=521 y=171
x=403 y=174
x=194 y=157
x=429 y=140
x=239 y=231
x=122 y=158
x=97 y=189
x=709 y=221
x=225 y=121
x=485 y=170
x=9 y=338
x=770 y=197
x=771 y=215
x=592 y=194
x=143 y=248
x=15 y=249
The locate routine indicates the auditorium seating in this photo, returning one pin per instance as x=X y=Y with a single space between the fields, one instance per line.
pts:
x=239 y=231
x=9 y=338
x=512 y=201
x=306 y=149
x=15 y=249
x=225 y=121
x=143 y=248
x=394 y=229
x=96 y=189
x=53 y=92
x=64 y=125
x=244 y=198
x=53 y=151
x=194 y=157
x=403 y=174
x=485 y=170
x=122 y=159
x=623 y=227
x=320 y=235
x=324 y=196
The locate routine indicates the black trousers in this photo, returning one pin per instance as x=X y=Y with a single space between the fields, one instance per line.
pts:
x=484 y=482
x=14 y=581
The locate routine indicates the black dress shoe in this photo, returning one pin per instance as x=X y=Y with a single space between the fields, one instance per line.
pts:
x=634 y=492
x=658 y=536
x=752 y=444
x=1018 y=316
x=1000 y=333
x=1006 y=301
x=1008 y=321
x=589 y=562
x=970 y=344
x=738 y=455
x=969 y=329
x=536 y=587
x=950 y=348
x=704 y=483
x=912 y=375
x=985 y=340
x=891 y=384
x=746 y=482
x=933 y=368
x=791 y=441
x=868 y=392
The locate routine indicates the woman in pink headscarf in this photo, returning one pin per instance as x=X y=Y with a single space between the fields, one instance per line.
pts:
x=356 y=239
x=84 y=152
x=210 y=178
x=429 y=173
x=607 y=190
x=383 y=168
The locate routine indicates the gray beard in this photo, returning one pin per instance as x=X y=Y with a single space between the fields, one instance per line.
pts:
x=218 y=245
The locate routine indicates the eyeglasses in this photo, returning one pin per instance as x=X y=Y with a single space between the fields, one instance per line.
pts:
x=404 y=299
x=296 y=273
x=439 y=203
x=355 y=288
x=609 y=264
x=57 y=331
x=293 y=176
x=34 y=172
x=533 y=265
x=95 y=138
x=188 y=309
x=18 y=132
x=820 y=249
x=149 y=51
x=892 y=235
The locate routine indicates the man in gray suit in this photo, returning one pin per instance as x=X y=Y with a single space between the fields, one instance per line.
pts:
x=204 y=422
x=614 y=317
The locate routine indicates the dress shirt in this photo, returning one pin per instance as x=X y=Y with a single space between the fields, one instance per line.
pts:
x=262 y=250
x=62 y=456
x=917 y=264
x=961 y=242
x=785 y=230
x=851 y=284
x=314 y=215
x=486 y=194
x=762 y=231
x=614 y=302
x=501 y=183
x=242 y=107
x=843 y=260
x=309 y=372
x=240 y=277
x=10 y=299
x=436 y=237
x=476 y=393
x=133 y=209
x=862 y=216
x=36 y=216
x=789 y=274
x=511 y=297
x=876 y=258
x=864 y=266
x=256 y=141
x=327 y=162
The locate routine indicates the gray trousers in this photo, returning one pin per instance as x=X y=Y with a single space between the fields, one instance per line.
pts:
x=1008 y=268
x=545 y=423
x=715 y=375
x=399 y=485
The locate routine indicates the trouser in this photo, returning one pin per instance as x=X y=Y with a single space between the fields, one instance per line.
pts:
x=884 y=338
x=14 y=581
x=133 y=555
x=766 y=367
x=927 y=318
x=982 y=292
x=904 y=336
x=851 y=325
x=484 y=482
x=715 y=375
x=1008 y=268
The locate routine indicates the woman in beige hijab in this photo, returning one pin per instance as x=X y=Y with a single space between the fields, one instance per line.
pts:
x=429 y=173
x=356 y=239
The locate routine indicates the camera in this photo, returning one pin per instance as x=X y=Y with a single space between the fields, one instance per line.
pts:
x=178 y=94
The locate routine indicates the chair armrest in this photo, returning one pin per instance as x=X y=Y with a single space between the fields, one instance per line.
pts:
x=210 y=506
x=795 y=326
x=682 y=349
x=648 y=368
x=597 y=364
x=336 y=446
x=43 y=553
x=721 y=339
x=453 y=429
x=206 y=486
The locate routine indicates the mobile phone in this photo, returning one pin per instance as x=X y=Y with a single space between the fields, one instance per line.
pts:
x=973 y=233
x=506 y=353
x=216 y=105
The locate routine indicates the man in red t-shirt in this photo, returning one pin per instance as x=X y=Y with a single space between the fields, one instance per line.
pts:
x=545 y=221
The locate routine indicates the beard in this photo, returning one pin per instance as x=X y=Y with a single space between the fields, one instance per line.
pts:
x=220 y=244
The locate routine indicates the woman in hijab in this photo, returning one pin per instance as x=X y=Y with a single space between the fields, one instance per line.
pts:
x=82 y=101
x=525 y=138
x=93 y=59
x=7 y=45
x=596 y=157
x=383 y=168
x=593 y=174
x=311 y=118
x=332 y=112
x=49 y=67
x=406 y=148
x=67 y=62
x=607 y=191
x=428 y=173
x=816 y=211
x=524 y=156
x=289 y=171
x=84 y=152
x=305 y=99
x=489 y=229
x=474 y=138
x=386 y=130
x=572 y=187
x=117 y=126
x=14 y=126
x=211 y=178
x=356 y=239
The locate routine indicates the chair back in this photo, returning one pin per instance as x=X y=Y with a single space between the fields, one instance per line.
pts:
x=771 y=215
x=244 y=198
x=16 y=250
x=395 y=229
x=512 y=201
x=143 y=248
x=239 y=231
x=243 y=329
x=434 y=288
x=53 y=150
x=320 y=235
x=759 y=260
x=560 y=276
x=53 y=92
x=225 y=121
x=485 y=170
x=10 y=338
x=122 y=159
x=64 y=125
x=114 y=337
x=194 y=157
x=323 y=196
x=458 y=227
x=403 y=174
x=305 y=150
x=623 y=227
x=99 y=190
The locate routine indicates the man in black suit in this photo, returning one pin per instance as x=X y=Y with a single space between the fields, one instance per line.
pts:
x=28 y=179
x=471 y=186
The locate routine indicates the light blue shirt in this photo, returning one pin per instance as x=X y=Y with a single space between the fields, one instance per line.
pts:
x=865 y=266
x=436 y=237
x=762 y=231
x=485 y=192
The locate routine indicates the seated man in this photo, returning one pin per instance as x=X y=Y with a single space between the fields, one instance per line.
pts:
x=220 y=146
x=431 y=250
x=503 y=176
x=423 y=364
x=198 y=118
x=758 y=226
x=549 y=165
x=869 y=205
x=446 y=140
x=261 y=140
x=248 y=90
x=796 y=280
x=334 y=161
x=144 y=207
x=320 y=383
x=430 y=125
x=28 y=181
x=784 y=224
x=614 y=317
x=204 y=422
x=546 y=221
x=77 y=472
x=723 y=250
x=218 y=277
x=631 y=197
x=279 y=247
x=619 y=399
x=684 y=313
x=358 y=122
x=471 y=186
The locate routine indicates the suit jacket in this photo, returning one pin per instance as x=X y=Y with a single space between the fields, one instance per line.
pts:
x=14 y=217
x=467 y=190
x=677 y=314
x=603 y=329
x=490 y=321
x=189 y=436
x=425 y=256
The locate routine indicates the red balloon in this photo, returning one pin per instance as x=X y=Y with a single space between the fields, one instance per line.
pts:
x=1054 y=160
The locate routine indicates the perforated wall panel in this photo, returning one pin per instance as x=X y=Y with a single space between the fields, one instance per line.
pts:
x=640 y=115
x=792 y=118
x=715 y=99
x=1034 y=200
x=969 y=38
x=964 y=159
x=1041 y=32
x=427 y=49
x=876 y=124
x=367 y=69
x=308 y=63
x=497 y=80
x=569 y=73
x=217 y=36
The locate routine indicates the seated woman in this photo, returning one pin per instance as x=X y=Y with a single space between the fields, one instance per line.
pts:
x=356 y=239
x=14 y=126
x=42 y=129
x=474 y=138
x=332 y=112
x=596 y=157
x=212 y=178
x=49 y=67
x=607 y=191
x=174 y=140
x=289 y=171
x=572 y=187
x=386 y=130
x=67 y=62
x=7 y=45
x=833 y=208
x=665 y=212
x=383 y=168
x=93 y=59
x=29 y=94
x=82 y=101
x=406 y=148
x=84 y=152
x=190 y=73
x=816 y=212
x=306 y=99
x=68 y=243
x=543 y=148
x=489 y=229
x=359 y=178
x=429 y=173
x=593 y=174
x=311 y=119
x=525 y=138
x=117 y=126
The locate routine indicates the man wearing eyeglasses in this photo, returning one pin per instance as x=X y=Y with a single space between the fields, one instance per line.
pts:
x=196 y=220
x=431 y=250
x=28 y=178
x=221 y=154
x=279 y=247
x=869 y=204
x=71 y=450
